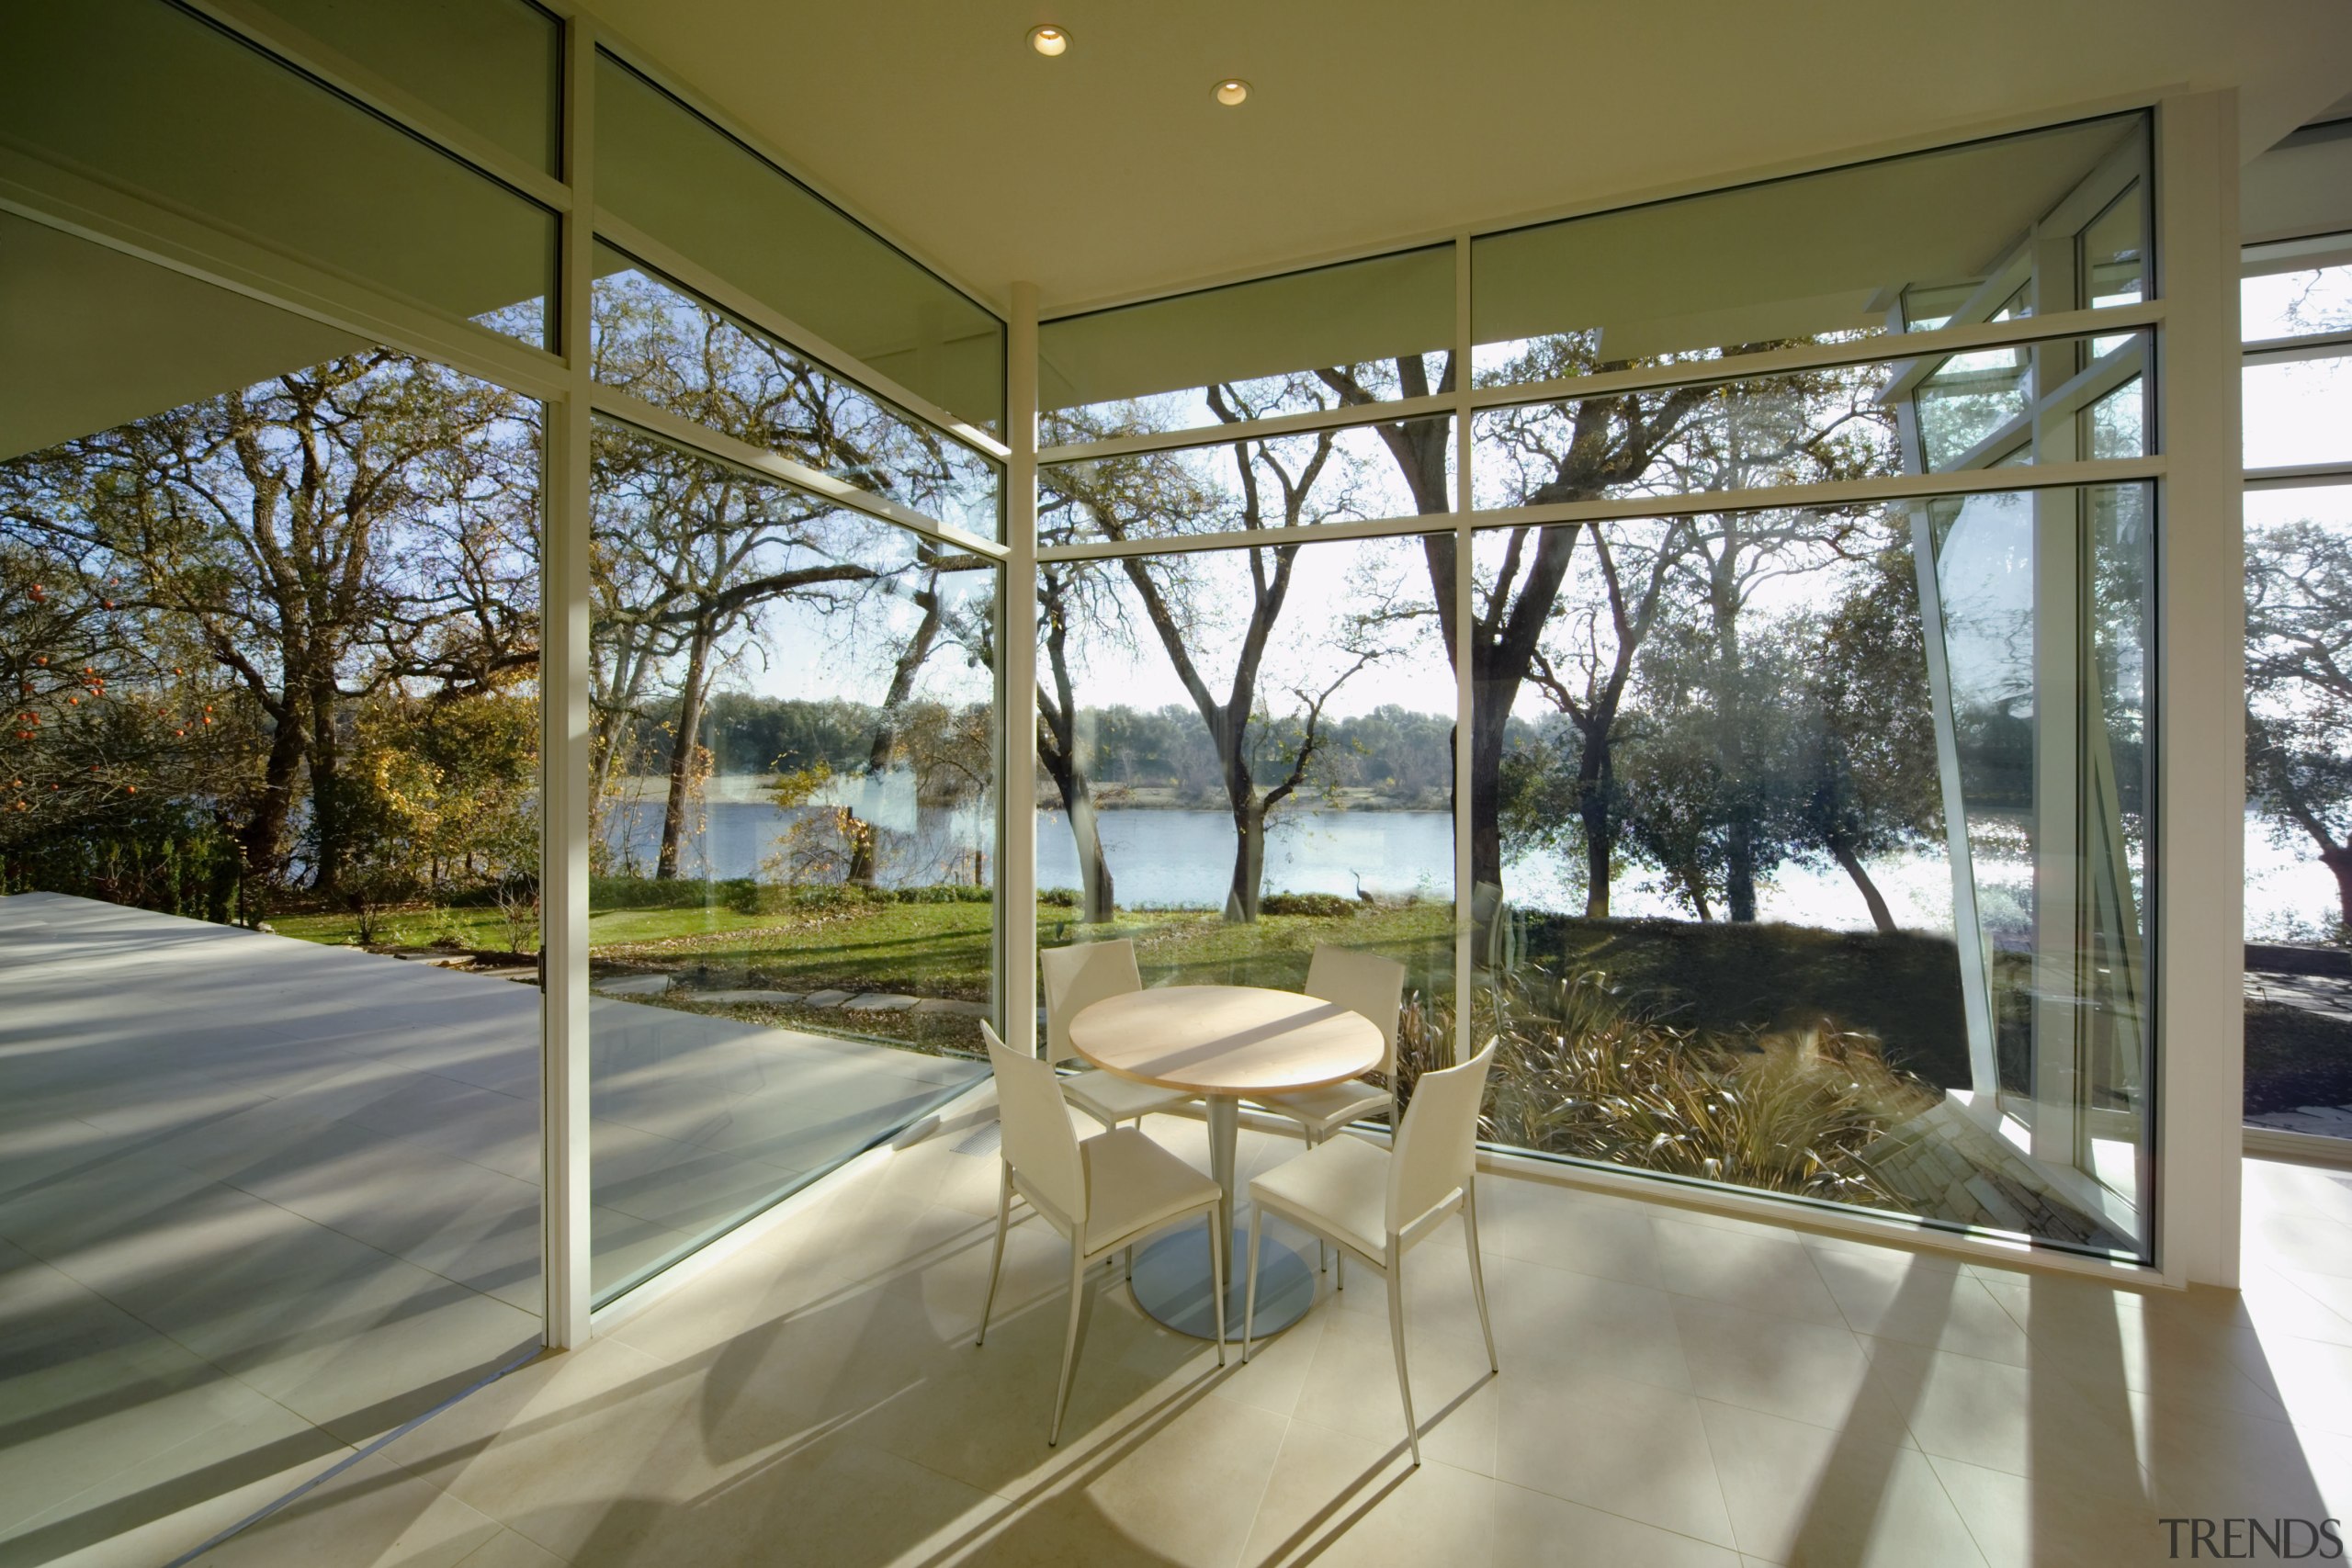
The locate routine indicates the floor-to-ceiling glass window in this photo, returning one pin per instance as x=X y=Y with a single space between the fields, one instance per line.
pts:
x=792 y=803
x=2295 y=308
x=792 y=920
x=1819 y=846
x=1245 y=746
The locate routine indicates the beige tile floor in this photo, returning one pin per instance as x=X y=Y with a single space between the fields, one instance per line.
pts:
x=1675 y=1389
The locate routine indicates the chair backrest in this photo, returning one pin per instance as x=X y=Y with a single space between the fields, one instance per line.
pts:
x=1361 y=982
x=1437 y=1144
x=1039 y=1142
x=1078 y=976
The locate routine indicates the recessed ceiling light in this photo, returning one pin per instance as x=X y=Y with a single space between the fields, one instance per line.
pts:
x=1048 y=40
x=1231 y=91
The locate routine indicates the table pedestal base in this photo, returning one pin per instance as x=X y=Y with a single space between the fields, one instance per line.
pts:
x=1173 y=1283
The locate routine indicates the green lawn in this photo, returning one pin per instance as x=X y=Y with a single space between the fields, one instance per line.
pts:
x=925 y=950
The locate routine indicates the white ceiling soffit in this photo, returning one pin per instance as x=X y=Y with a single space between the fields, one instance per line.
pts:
x=2301 y=187
x=1111 y=172
x=92 y=338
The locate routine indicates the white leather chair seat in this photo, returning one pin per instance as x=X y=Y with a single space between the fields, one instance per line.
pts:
x=1327 y=1109
x=1342 y=1185
x=1110 y=1098
x=1136 y=1183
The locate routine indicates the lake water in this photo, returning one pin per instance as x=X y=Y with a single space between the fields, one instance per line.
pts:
x=1185 y=857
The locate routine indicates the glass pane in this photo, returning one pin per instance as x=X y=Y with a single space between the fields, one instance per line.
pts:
x=1279 y=481
x=1731 y=923
x=2295 y=288
x=2299 y=810
x=1822 y=257
x=670 y=173
x=2115 y=254
x=794 y=808
x=1965 y=410
x=654 y=341
x=1163 y=364
x=270 y=1102
x=1294 y=789
x=150 y=95
x=494 y=66
x=2296 y=413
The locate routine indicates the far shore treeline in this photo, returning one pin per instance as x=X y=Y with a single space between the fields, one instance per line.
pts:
x=1391 y=756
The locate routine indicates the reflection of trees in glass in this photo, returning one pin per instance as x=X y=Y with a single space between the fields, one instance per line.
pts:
x=364 y=526
x=2299 y=688
x=697 y=566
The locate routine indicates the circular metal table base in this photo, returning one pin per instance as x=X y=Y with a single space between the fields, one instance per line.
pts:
x=1172 y=1282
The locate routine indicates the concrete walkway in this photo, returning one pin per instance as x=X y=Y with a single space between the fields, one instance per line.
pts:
x=263 y=1201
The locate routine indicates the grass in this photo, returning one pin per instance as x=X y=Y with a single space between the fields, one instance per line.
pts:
x=921 y=949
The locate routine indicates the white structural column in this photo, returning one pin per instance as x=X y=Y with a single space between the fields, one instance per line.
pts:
x=2200 y=697
x=564 y=743
x=1017 y=706
x=1465 y=603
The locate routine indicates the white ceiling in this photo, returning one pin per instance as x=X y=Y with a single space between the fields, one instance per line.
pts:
x=1110 y=173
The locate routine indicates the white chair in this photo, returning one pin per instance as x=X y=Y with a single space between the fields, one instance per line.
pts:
x=1380 y=1204
x=1364 y=982
x=1076 y=978
x=1107 y=1192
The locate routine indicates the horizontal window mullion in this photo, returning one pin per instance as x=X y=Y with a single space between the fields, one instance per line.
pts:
x=767 y=464
x=285 y=43
x=2297 y=476
x=697 y=279
x=1837 y=492
x=1902 y=348
x=2313 y=346
x=1343 y=417
x=1252 y=538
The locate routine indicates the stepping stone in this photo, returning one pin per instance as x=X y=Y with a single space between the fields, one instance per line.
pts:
x=828 y=998
x=746 y=999
x=957 y=1008
x=878 y=1001
x=632 y=986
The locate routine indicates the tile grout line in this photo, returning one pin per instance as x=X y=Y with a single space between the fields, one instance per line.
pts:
x=372 y=1447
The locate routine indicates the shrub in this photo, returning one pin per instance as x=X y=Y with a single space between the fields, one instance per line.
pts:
x=1326 y=905
x=1058 y=897
x=1579 y=1073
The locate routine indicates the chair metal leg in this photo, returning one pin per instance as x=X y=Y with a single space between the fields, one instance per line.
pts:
x=1477 y=1273
x=1216 y=1278
x=1131 y=1260
x=1322 y=1247
x=996 y=1258
x=1397 y=1338
x=1069 y=1339
x=1249 y=1297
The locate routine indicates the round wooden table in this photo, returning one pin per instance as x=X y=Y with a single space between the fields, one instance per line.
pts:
x=1227 y=1043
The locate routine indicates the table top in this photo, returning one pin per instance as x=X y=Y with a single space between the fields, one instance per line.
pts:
x=1232 y=1040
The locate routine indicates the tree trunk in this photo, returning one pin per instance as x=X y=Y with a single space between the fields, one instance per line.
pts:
x=1597 y=807
x=1881 y=916
x=326 y=800
x=1095 y=898
x=262 y=841
x=1248 y=863
x=682 y=753
x=2339 y=861
x=1739 y=851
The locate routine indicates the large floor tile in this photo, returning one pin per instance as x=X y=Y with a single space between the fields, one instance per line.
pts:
x=1764 y=1273
x=1807 y=1498
x=1626 y=1448
x=1336 y=1499
x=1543 y=1531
